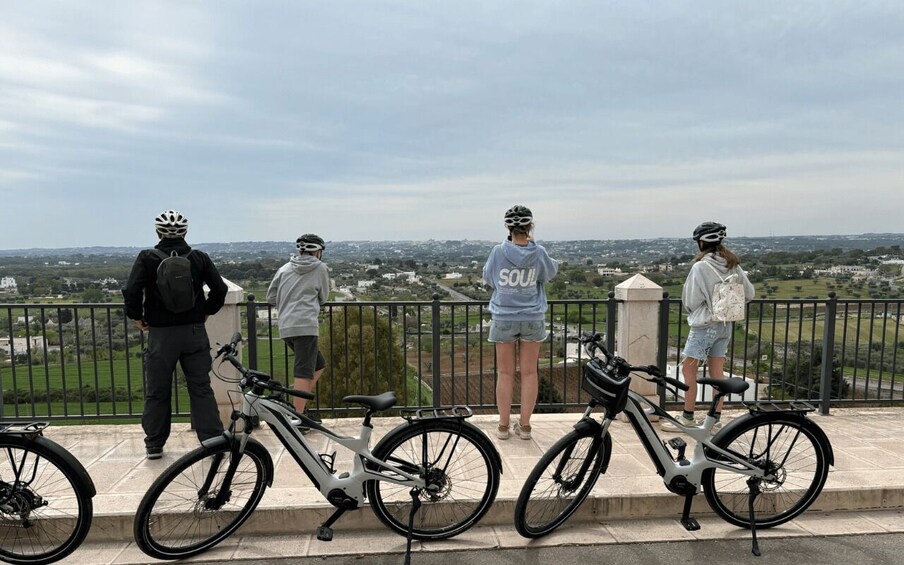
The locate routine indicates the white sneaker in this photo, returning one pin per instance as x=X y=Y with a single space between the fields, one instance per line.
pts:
x=502 y=432
x=668 y=426
x=521 y=431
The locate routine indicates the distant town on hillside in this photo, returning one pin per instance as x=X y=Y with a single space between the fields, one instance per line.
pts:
x=865 y=265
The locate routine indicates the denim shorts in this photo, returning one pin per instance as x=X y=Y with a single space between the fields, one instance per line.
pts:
x=709 y=341
x=506 y=331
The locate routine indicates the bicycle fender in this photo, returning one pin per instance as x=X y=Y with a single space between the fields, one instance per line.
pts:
x=228 y=439
x=804 y=422
x=69 y=459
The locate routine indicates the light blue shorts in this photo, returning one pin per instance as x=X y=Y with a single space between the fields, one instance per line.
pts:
x=505 y=331
x=710 y=341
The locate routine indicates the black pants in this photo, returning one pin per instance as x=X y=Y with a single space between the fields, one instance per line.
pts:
x=190 y=347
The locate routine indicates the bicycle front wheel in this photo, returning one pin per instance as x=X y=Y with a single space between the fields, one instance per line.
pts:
x=45 y=507
x=460 y=466
x=561 y=481
x=182 y=514
x=795 y=458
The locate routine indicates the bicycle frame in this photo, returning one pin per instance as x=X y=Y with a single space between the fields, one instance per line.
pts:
x=284 y=421
x=675 y=474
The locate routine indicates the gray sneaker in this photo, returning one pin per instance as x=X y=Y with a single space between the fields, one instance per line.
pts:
x=668 y=426
x=521 y=431
x=502 y=432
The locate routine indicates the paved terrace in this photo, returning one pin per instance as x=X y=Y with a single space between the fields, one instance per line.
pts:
x=864 y=493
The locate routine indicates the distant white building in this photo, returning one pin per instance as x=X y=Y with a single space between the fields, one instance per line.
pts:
x=362 y=285
x=455 y=275
x=8 y=283
x=605 y=271
x=21 y=344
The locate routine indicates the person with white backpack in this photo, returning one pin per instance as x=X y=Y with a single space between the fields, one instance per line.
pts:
x=714 y=296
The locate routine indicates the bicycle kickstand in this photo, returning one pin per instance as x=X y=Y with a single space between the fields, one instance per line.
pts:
x=415 y=505
x=690 y=524
x=754 y=486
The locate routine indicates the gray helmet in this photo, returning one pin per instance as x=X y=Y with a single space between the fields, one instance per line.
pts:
x=709 y=232
x=309 y=243
x=171 y=224
x=518 y=215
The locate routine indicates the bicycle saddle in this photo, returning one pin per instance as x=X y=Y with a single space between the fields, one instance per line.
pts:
x=376 y=403
x=732 y=385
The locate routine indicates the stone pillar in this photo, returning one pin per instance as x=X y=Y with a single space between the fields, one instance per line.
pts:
x=637 y=336
x=220 y=329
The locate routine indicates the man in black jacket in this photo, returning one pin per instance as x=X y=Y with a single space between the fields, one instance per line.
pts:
x=175 y=337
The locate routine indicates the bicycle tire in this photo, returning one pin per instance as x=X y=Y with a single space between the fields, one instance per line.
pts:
x=561 y=480
x=797 y=451
x=55 y=500
x=172 y=520
x=461 y=461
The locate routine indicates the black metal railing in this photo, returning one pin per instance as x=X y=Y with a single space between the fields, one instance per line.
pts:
x=84 y=361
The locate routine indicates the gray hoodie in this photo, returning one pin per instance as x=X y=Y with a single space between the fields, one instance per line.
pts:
x=697 y=294
x=298 y=290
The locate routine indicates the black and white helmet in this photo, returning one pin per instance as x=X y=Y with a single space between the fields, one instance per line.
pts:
x=709 y=232
x=309 y=243
x=171 y=224
x=517 y=216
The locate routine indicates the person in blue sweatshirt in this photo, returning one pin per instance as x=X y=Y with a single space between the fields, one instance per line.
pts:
x=516 y=270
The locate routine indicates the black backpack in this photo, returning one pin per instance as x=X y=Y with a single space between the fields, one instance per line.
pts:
x=174 y=281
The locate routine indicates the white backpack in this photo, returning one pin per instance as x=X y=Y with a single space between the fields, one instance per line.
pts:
x=729 y=304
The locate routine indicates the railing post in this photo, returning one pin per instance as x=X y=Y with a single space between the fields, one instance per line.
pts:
x=251 y=331
x=663 y=353
x=611 y=308
x=437 y=392
x=828 y=354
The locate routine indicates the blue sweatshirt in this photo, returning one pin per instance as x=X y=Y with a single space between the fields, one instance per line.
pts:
x=516 y=274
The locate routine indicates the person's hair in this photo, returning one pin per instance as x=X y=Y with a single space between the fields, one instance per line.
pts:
x=521 y=230
x=731 y=260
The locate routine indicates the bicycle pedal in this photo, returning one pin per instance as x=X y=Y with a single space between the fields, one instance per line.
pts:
x=325 y=534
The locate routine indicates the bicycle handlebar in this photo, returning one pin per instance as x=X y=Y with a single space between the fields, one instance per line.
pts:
x=254 y=378
x=593 y=341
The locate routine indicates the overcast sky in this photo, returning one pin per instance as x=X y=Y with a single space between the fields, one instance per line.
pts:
x=262 y=120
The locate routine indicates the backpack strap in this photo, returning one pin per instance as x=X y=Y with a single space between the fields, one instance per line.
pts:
x=164 y=255
x=708 y=264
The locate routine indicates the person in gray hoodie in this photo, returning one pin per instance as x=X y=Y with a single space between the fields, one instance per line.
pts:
x=516 y=270
x=707 y=339
x=298 y=290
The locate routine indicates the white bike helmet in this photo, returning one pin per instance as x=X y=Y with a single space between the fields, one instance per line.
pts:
x=309 y=243
x=171 y=224
x=710 y=232
x=517 y=216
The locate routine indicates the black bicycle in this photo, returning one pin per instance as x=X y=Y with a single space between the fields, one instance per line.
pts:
x=761 y=470
x=45 y=496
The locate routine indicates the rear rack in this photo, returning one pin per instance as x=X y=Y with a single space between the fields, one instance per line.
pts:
x=23 y=428
x=799 y=406
x=412 y=414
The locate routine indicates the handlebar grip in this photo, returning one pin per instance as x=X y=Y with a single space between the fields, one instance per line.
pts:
x=236 y=339
x=674 y=382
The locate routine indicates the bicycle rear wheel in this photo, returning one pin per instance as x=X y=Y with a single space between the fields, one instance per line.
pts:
x=178 y=516
x=457 y=461
x=45 y=505
x=791 y=451
x=561 y=481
